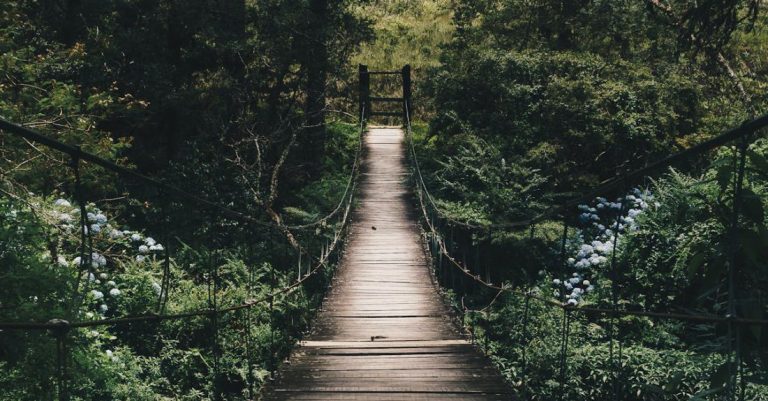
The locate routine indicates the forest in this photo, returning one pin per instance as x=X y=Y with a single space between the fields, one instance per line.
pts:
x=211 y=151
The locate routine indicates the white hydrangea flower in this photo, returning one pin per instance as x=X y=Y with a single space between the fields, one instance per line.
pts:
x=157 y=248
x=582 y=264
x=556 y=281
x=100 y=218
x=89 y=315
x=91 y=217
x=103 y=308
x=64 y=218
x=95 y=228
x=98 y=260
x=111 y=283
x=97 y=295
x=103 y=276
x=150 y=241
x=140 y=258
x=114 y=292
x=156 y=287
x=114 y=234
x=135 y=237
x=143 y=249
x=62 y=261
x=62 y=203
x=109 y=353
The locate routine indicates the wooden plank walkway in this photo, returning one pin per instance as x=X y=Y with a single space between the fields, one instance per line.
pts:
x=384 y=332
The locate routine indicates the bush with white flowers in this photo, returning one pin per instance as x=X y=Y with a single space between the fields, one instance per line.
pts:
x=109 y=249
x=592 y=246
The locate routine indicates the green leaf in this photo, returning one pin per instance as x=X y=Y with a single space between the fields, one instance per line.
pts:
x=752 y=206
x=723 y=176
x=755 y=247
x=758 y=161
x=719 y=378
x=695 y=262
x=674 y=382
x=758 y=378
x=702 y=395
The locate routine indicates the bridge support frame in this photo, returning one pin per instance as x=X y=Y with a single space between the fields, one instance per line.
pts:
x=366 y=100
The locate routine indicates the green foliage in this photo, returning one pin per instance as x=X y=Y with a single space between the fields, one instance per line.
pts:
x=143 y=360
x=406 y=32
x=581 y=91
x=681 y=256
x=567 y=95
x=574 y=116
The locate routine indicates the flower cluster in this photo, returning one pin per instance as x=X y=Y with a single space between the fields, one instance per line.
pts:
x=145 y=246
x=595 y=241
x=98 y=226
x=121 y=243
x=98 y=297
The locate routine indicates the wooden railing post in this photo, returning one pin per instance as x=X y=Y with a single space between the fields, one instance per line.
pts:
x=365 y=90
x=407 y=90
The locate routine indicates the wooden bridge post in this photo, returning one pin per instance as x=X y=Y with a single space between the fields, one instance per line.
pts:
x=365 y=90
x=407 y=90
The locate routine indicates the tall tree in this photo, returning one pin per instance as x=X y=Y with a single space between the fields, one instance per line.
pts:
x=315 y=66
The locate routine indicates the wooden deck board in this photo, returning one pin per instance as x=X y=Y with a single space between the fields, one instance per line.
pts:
x=383 y=290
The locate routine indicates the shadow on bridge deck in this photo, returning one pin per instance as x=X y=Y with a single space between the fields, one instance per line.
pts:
x=384 y=332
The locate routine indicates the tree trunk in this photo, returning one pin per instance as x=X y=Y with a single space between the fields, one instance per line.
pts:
x=316 y=69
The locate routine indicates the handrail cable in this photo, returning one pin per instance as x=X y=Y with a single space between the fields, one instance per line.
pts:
x=422 y=191
x=77 y=153
x=352 y=175
x=58 y=324
x=743 y=130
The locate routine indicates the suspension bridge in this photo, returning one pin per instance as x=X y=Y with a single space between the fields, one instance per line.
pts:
x=384 y=331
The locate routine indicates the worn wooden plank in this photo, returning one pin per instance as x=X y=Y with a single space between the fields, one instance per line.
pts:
x=383 y=332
